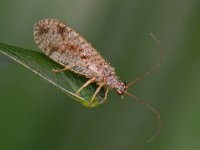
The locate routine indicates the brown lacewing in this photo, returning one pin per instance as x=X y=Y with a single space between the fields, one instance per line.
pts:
x=66 y=47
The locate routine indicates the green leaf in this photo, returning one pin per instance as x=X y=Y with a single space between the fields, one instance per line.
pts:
x=66 y=81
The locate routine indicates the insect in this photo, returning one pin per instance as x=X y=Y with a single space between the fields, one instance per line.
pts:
x=66 y=47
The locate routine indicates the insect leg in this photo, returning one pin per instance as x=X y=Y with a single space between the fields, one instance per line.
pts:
x=106 y=93
x=86 y=84
x=59 y=70
x=97 y=91
x=64 y=69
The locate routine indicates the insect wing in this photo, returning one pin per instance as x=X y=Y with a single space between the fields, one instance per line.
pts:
x=65 y=46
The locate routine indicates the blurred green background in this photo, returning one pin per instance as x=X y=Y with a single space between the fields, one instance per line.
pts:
x=35 y=115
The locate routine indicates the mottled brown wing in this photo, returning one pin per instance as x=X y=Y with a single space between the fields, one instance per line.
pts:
x=65 y=46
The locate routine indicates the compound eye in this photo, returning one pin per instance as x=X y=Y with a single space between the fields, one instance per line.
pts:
x=120 y=92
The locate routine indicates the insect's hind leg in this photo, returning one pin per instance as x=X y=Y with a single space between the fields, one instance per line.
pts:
x=60 y=70
x=64 y=69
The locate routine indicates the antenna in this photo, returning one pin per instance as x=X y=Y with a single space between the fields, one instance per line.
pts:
x=155 y=67
x=149 y=107
x=142 y=76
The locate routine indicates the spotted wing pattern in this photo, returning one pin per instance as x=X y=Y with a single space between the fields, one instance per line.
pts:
x=65 y=46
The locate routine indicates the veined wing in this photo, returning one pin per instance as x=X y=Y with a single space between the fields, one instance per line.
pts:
x=65 y=46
